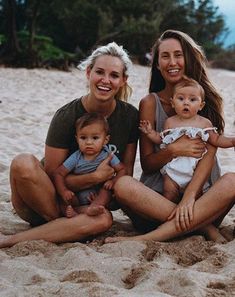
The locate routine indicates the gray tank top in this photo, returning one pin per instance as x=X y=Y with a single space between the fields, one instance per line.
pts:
x=154 y=180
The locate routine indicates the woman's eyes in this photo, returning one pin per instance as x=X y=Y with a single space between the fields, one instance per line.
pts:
x=99 y=72
x=176 y=55
x=113 y=75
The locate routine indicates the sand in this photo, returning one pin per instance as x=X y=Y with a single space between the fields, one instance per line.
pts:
x=185 y=267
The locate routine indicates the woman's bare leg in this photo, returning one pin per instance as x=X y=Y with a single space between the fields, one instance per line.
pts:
x=33 y=194
x=62 y=229
x=143 y=200
x=211 y=232
x=171 y=191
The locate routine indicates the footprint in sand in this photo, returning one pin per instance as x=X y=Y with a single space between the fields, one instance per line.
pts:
x=81 y=276
x=220 y=288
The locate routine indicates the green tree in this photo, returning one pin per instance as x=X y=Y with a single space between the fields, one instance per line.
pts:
x=79 y=25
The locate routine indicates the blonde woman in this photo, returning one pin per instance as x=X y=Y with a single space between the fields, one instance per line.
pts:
x=33 y=193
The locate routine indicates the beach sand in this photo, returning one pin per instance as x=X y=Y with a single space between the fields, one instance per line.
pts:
x=185 y=267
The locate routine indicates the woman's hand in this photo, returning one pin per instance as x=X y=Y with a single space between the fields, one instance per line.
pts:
x=188 y=147
x=104 y=171
x=183 y=214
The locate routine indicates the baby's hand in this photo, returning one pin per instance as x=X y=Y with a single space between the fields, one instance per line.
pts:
x=145 y=126
x=68 y=196
x=92 y=196
x=108 y=185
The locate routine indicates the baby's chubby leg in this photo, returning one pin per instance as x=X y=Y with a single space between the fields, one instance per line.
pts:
x=98 y=202
x=171 y=189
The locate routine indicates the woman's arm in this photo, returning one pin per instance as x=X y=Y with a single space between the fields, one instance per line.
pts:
x=151 y=160
x=54 y=157
x=120 y=171
x=59 y=180
x=184 y=210
x=201 y=173
x=103 y=172
x=129 y=158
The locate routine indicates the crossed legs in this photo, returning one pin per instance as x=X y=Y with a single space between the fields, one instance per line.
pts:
x=148 y=203
x=34 y=199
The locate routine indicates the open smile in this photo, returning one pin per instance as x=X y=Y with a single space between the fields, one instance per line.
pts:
x=173 y=72
x=104 y=88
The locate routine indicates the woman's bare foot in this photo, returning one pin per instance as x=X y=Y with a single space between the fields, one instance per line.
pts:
x=5 y=240
x=122 y=238
x=70 y=212
x=212 y=233
x=95 y=210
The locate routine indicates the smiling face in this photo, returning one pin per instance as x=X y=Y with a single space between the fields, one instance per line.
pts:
x=171 y=61
x=187 y=101
x=106 y=77
x=91 y=139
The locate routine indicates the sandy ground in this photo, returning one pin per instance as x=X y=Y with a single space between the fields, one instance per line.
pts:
x=187 y=267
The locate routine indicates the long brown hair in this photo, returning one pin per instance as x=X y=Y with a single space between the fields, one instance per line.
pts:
x=195 y=67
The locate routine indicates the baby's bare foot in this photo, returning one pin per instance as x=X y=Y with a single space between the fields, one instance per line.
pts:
x=70 y=212
x=95 y=210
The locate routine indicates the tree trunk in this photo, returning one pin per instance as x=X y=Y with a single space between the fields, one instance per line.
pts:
x=34 y=10
x=12 y=47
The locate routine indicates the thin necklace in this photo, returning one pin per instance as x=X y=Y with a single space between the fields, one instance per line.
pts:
x=166 y=102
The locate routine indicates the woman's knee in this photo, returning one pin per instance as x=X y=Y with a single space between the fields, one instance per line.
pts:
x=228 y=180
x=24 y=166
x=124 y=187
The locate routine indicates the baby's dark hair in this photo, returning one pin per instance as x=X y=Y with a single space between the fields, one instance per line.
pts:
x=91 y=118
x=189 y=82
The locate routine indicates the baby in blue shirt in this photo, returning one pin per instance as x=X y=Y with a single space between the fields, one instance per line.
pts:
x=92 y=135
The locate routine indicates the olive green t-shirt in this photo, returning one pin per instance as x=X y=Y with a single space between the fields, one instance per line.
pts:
x=123 y=123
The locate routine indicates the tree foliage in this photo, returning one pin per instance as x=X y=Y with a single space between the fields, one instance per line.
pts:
x=78 y=26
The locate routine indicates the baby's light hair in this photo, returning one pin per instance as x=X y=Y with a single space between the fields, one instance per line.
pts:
x=189 y=82
x=114 y=50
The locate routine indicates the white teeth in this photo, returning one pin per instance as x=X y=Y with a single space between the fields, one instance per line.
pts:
x=102 y=88
x=173 y=70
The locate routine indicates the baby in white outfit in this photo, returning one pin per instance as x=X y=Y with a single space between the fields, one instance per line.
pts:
x=188 y=100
